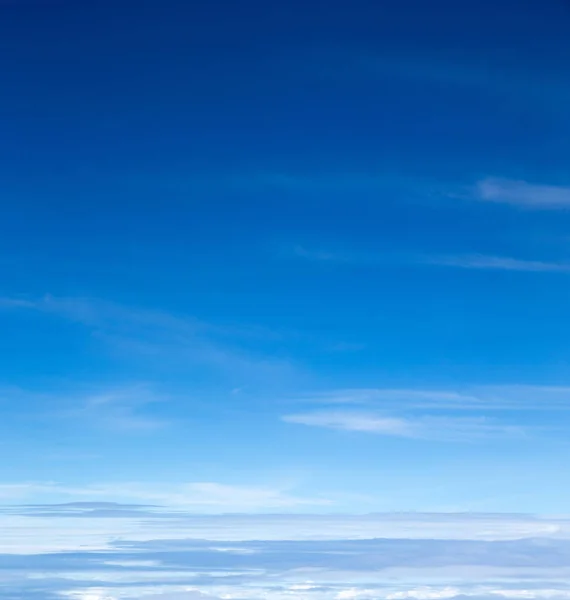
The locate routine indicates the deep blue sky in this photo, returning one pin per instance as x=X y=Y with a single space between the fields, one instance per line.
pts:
x=317 y=248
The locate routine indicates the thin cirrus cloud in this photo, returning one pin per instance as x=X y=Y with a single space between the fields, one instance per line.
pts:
x=121 y=409
x=333 y=256
x=318 y=255
x=514 y=192
x=498 y=263
x=501 y=190
x=522 y=193
x=167 y=339
x=118 y=409
x=514 y=397
x=494 y=412
x=482 y=262
x=419 y=428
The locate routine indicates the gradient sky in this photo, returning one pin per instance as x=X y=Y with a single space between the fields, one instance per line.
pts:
x=286 y=256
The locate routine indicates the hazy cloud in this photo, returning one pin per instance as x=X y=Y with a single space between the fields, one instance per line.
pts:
x=522 y=193
x=463 y=261
x=423 y=427
x=499 y=263
x=161 y=338
x=483 y=398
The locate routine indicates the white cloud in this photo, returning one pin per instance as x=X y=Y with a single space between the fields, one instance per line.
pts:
x=522 y=193
x=351 y=593
x=352 y=421
x=499 y=263
x=185 y=595
x=425 y=593
x=423 y=414
x=55 y=531
x=474 y=398
x=141 y=594
x=423 y=428
x=89 y=595
x=389 y=396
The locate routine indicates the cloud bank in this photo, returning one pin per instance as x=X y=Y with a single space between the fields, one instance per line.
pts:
x=166 y=555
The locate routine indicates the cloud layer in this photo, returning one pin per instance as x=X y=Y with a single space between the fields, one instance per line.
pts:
x=168 y=555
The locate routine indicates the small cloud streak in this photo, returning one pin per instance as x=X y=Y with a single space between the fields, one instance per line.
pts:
x=483 y=262
x=420 y=428
x=522 y=193
x=352 y=421
x=7 y=303
x=472 y=398
x=499 y=263
x=318 y=255
x=121 y=409
x=348 y=258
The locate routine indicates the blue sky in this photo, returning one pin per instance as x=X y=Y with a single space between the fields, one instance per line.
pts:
x=285 y=257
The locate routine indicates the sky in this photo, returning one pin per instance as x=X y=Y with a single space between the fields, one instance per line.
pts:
x=291 y=260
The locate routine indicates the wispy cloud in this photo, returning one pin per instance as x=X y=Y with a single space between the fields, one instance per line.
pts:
x=319 y=255
x=522 y=193
x=387 y=397
x=462 y=261
x=162 y=338
x=345 y=257
x=498 y=263
x=119 y=408
x=422 y=428
x=432 y=414
x=354 y=421
x=15 y=303
x=340 y=257
x=471 y=398
x=523 y=84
